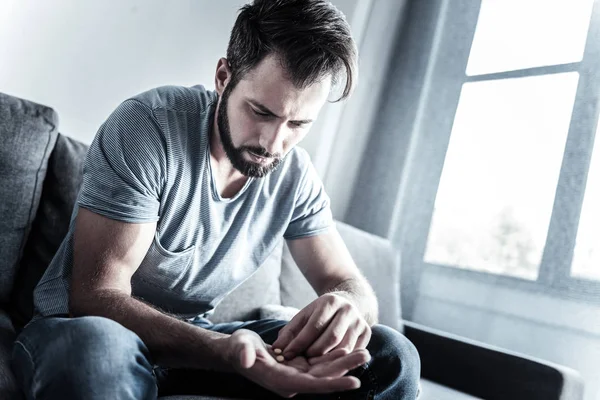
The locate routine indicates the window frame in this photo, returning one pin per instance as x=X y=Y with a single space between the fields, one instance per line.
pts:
x=451 y=48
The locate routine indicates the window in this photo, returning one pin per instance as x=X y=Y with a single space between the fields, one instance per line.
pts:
x=517 y=190
x=515 y=34
x=586 y=260
x=496 y=192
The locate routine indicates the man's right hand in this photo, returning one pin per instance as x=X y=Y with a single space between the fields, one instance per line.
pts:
x=255 y=360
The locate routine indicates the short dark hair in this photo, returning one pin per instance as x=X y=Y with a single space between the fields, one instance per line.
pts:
x=311 y=38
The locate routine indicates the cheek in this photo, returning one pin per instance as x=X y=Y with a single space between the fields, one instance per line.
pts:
x=241 y=128
x=293 y=139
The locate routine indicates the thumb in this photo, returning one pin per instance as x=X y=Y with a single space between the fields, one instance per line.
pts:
x=246 y=355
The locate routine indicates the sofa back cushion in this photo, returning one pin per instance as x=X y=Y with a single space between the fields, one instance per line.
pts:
x=51 y=223
x=375 y=257
x=28 y=132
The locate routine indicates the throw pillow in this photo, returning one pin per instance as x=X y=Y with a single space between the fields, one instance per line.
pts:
x=51 y=223
x=28 y=132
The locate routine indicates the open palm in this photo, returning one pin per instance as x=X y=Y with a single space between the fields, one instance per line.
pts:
x=326 y=374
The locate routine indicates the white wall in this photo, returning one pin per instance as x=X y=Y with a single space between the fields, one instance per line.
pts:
x=84 y=57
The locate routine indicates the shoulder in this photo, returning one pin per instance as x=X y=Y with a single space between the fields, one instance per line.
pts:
x=296 y=172
x=193 y=99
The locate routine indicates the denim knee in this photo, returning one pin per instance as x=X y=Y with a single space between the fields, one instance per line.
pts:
x=395 y=364
x=95 y=341
x=87 y=357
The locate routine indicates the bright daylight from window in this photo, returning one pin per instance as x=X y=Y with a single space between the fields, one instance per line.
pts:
x=497 y=188
x=498 y=184
x=517 y=34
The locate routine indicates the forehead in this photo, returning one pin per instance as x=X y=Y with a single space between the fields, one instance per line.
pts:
x=269 y=85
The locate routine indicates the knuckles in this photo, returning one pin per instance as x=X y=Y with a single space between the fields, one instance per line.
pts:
x=331 y=300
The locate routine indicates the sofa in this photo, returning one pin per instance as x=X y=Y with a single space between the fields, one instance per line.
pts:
x=40 y=174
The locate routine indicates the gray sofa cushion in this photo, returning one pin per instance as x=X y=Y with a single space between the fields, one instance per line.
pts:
x=28 y=133
x=51 y=223
x=8 y=386
x=243 y=303
x=277 y=311
x=374 y=256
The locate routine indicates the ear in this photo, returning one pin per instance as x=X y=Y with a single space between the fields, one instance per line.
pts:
x=222 y=75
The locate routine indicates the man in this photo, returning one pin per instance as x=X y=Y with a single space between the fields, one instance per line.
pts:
x=185 y=193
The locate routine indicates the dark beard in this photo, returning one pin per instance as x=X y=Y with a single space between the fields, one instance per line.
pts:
x=235 y=154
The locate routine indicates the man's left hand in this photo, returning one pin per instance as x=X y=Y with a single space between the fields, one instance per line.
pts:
x=329 y=323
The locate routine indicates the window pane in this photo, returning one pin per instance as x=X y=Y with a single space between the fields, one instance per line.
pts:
x=517 y=34
x=586 y=260
x=497 y=187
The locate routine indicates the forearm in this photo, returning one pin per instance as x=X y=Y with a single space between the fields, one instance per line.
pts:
x=172 y=343
x=359 y=292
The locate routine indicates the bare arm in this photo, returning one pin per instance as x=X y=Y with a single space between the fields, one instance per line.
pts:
x=106 y=255
x=342 y=316
x=328 y=266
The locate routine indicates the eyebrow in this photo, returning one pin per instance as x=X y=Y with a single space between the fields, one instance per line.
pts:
x=262 y=108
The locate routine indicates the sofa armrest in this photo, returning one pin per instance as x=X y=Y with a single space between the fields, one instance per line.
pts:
x=489 y=372
x=379 y=261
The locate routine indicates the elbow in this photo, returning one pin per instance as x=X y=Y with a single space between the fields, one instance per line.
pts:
x=79 y=304
x=85 y=302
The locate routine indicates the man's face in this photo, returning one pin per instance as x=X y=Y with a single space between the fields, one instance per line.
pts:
x=264 y=116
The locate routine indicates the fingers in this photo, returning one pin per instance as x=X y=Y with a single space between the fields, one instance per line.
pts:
x=342 y=365
x=332 y=355
x=288 y=332
x=306 y=383
x=350 y=341
x=289 y=379
x=342 y=384
x=311 y=331
x=333 y=335
x=364 y=339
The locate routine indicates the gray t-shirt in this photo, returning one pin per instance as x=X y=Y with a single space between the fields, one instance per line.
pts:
x=150 y=162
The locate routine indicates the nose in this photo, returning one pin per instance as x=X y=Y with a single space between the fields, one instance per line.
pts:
x=273 y=137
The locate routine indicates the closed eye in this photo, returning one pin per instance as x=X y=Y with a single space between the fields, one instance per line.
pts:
x=261 y=113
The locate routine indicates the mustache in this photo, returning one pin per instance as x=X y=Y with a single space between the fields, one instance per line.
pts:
x=261 y=152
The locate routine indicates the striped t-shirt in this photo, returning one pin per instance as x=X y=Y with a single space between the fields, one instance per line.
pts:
x=150 y=162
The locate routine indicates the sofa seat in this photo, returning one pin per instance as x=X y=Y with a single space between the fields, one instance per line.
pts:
x=429 y=391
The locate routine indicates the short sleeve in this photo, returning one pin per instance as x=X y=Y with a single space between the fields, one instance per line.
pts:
x=125 y=168
x=312 y=212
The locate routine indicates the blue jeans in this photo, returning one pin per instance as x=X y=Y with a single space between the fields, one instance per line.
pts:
x=97 y=358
